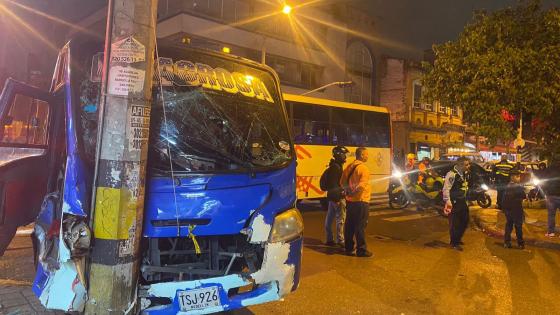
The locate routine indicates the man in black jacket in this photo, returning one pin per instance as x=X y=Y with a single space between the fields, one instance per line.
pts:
x=335 y=195
x=455 y=190
x=550 y=184
x=501 y=176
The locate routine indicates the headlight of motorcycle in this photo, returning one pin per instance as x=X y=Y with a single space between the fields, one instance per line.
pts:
x=397 y=174
x=536 y=181
x=484 y=187
x=287 y=226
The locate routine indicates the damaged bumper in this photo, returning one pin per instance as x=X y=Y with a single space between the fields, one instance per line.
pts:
x=278 y=276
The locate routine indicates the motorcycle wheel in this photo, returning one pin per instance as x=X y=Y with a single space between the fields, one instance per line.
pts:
x=484 y=201
x=398 y=201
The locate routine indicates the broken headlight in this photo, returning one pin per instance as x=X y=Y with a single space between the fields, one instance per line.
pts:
x=287 y=226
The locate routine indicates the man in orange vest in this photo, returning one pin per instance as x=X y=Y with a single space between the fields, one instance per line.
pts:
x=356 y=182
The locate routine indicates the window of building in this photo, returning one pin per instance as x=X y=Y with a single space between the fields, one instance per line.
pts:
x=417 y=94
x=455 y=111
x=359 y=69
x=443 y=109
x=428 y=107
x=296 y=73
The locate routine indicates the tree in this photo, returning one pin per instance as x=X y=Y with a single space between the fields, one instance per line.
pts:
x=506 y=61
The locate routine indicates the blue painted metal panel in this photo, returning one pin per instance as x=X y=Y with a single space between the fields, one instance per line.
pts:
x=228 y=201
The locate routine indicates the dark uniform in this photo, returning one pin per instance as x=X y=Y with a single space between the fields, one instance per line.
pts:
x=501 y=175
x=513 y=209
x=455 y=189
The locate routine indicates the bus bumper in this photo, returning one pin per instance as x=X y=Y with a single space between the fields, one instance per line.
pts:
x=277 y=277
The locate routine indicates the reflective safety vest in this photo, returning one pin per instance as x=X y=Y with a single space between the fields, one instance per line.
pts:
x=503 y=169
x=459 y=188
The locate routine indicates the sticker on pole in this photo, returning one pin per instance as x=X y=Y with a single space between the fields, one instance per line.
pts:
x=125 y=80
x=128 y=50
x=138 y=126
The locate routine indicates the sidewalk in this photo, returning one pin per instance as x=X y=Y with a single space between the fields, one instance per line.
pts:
x=493 y=221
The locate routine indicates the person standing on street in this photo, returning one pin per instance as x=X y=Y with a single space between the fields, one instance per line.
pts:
x=355 y=180
x=501 y=175
x=550 y=184
x=455 y=190
x=335 y=196
x=513 y=209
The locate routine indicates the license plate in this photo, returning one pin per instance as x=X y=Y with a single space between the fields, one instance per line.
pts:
x=199 y=299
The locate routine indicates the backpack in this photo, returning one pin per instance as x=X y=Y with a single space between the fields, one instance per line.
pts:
x=323 y=181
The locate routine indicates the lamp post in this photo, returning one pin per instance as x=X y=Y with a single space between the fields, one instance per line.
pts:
x=287 y=10
x=340 y=84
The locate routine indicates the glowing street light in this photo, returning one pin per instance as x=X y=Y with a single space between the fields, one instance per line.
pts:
x=286 y=9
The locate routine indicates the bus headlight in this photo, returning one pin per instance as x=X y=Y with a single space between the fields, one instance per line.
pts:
x=397 y=174
x=287 y=226
x=484 y=187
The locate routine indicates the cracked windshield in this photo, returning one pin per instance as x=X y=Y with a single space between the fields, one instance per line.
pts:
x=233 y=123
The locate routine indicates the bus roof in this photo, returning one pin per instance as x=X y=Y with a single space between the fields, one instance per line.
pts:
x=326 y=102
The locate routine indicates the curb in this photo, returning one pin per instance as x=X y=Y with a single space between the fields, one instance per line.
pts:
x=492 y=231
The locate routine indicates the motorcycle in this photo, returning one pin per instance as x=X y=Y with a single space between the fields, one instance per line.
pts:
x=479 y=194
x=403 y=190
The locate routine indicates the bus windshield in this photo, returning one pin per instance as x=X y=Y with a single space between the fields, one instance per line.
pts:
x=201 y=129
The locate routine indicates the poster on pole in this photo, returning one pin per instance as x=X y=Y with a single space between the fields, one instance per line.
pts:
x=124 y=78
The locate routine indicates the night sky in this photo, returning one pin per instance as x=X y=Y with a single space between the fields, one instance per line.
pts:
x=421 y=23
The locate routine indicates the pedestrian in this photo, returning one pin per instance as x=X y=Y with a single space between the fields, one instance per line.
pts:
x=455 y=190
x=550 y=184
x=424 y=168
x=335 y=196
x=410 y=168
x=355 y=180
x=501 y=177
x=514 y=195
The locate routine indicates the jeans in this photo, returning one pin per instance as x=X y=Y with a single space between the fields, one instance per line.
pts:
x=357 y=216
x=337 y=210
x=458 y=222
x=552 y=204
x=518 y=224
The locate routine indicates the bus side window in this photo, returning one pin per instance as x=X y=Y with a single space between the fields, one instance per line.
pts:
x=311 y=124
x=347 y=127
x=377 y=130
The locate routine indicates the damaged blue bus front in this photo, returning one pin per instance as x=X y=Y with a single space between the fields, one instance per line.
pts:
x=220 y=227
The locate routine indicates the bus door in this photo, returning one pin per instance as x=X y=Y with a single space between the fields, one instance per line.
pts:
x=27 y=142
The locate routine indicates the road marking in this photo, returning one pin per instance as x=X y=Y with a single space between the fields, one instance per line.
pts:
x=384 y=212
x=411 y=217
x=10 y=282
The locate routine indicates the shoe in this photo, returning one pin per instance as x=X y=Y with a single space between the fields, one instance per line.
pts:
x=364 y=254
x=457 y=247
x=461 y=243
x=330 y=243
x=349 y=253
x=550 y=234
x=507 y=245
x=521 y=246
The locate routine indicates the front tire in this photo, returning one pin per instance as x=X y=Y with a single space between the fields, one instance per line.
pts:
x=398 y=201
x=484 y=201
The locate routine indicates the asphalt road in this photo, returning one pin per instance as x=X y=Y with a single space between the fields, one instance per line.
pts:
x=413 y=272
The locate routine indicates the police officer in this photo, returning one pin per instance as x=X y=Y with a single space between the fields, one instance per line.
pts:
x=455 y=190
x=501 y=176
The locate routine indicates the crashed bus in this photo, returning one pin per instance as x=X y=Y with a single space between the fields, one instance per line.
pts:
x=220 y=227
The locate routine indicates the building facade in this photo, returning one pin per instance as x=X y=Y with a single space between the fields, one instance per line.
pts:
x=423 y=128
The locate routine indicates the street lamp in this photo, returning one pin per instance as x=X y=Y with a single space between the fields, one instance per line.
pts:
x=287 y=10
x=340 y=84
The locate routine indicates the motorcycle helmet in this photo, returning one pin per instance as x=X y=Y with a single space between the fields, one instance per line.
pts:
x=339 y=153
x=410 y=156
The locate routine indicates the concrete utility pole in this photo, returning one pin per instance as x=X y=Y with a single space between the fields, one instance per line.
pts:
x=121 y=156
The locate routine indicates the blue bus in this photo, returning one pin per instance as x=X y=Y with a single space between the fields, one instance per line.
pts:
x=219 y=221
